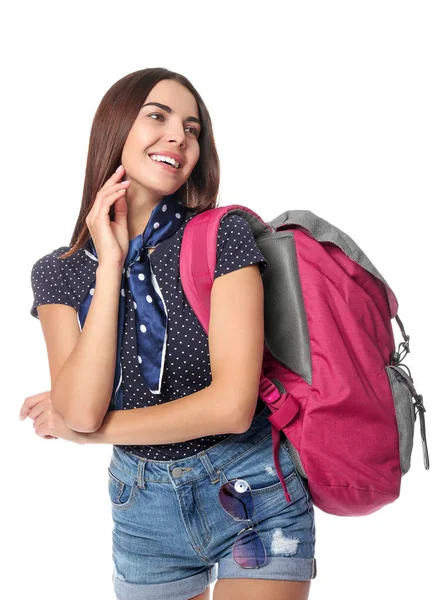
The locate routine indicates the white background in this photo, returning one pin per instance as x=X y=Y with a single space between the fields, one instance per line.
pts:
x=326 y=106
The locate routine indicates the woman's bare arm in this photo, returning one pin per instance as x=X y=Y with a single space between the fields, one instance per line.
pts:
x=82 y=389
x=227 y=405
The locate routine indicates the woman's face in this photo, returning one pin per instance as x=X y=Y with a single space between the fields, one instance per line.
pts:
x=173 y=127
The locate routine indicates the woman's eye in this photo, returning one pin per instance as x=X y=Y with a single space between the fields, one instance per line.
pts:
x=194 y=130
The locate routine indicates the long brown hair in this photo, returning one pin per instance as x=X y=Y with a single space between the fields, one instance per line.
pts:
x=111 y=125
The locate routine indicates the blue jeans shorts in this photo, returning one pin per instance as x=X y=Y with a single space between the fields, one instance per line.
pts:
x=171 y=536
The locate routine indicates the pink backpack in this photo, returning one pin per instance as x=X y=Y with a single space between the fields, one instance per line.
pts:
x=331 y=375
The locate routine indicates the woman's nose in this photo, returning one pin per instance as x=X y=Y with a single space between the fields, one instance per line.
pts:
x=177 y=134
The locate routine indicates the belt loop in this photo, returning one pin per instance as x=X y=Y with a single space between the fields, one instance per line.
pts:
x=140 y=473
x=214 y=475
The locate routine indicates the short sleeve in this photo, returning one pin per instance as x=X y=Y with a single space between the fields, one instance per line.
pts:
x=47 y=282
x=236 y=246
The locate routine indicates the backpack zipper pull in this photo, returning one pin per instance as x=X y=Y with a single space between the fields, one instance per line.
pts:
x=397 y=355
x=420 y=411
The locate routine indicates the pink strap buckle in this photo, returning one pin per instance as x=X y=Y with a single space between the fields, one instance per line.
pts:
x=267 y=391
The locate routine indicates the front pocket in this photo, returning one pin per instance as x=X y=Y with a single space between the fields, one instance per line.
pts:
x=257 y=467
x=404 y=412
x=122 y=495
x=276 y=487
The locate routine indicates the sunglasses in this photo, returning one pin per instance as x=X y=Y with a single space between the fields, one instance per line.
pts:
x=236 y=498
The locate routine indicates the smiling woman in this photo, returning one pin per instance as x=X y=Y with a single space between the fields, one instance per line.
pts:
x=127 y=338
x=150 y=137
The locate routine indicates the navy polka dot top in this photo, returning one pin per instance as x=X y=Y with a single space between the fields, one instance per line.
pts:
x=187 y=364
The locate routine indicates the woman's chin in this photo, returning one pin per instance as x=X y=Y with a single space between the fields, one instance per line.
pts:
x=156 y=188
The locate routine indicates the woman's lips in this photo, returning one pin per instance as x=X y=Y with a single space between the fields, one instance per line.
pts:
x=164 y=165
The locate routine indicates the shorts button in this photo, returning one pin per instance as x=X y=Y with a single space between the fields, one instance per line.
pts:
x=177 y=472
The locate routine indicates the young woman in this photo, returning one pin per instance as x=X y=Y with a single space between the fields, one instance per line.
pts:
x=194 y=492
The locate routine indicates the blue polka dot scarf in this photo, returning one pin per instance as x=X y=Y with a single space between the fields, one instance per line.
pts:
x=150 y=312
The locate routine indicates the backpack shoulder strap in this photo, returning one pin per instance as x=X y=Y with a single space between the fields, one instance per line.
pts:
x=198 y=255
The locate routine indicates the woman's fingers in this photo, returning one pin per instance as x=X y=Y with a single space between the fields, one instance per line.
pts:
x=104 y=198
x=121 y=211
x=110 y=238
x=111 y=195
x=30 y=402
x=110 y=182
x=39 y=421
x=39 y=408
x=116 y=176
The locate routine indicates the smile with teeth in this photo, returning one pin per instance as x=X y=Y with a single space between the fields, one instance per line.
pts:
x=166 y=159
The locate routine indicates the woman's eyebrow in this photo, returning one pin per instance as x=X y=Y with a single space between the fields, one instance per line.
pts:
x=170 y=111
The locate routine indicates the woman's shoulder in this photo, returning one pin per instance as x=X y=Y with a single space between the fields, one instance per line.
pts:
x=236 y=246
x=57 y=280
x=56 y=260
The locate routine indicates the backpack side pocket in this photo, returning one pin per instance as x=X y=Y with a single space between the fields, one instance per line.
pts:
x=405 y=414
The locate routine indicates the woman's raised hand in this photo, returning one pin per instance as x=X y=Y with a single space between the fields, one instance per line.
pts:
x=110 y=238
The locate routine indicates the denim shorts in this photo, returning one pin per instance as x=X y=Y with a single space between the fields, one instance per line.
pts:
x=172 y=538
